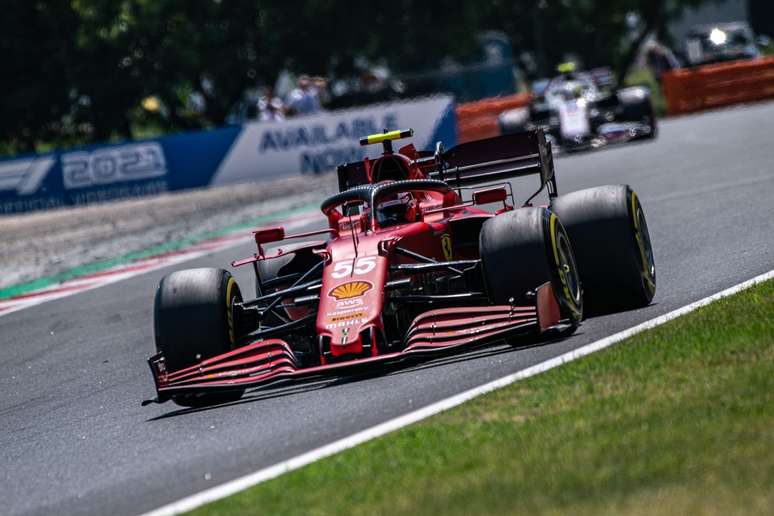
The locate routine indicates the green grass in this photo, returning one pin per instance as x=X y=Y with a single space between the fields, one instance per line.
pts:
x=677 y=420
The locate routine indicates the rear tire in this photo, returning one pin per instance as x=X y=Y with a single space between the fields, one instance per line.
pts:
x=193 y=321
x=612 y=246
x=525 y=248
x=650 y=119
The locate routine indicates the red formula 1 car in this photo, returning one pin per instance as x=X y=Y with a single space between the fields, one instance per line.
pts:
x=411 y=265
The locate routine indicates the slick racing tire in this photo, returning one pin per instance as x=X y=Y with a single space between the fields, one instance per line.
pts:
x=525 y=248
x=193 y=321
x=612 y=247
x=650 y=119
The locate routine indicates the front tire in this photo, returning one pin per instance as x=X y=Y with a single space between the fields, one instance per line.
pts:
x=612 y=246
x=525 y=248
x=193 y=321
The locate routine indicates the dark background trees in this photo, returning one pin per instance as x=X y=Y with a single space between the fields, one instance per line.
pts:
x=762 y=16
x=79 y=71
x=35 y=71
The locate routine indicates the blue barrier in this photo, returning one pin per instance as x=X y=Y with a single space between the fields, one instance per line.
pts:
x=251 y=152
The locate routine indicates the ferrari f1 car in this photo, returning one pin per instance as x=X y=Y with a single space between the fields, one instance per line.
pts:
x=579 y=111
x=410 y=265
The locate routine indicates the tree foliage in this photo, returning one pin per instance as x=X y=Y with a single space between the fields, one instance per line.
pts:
x=78 y=71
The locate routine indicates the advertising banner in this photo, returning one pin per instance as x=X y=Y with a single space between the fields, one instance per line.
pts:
x=319 y=143
x=252 y=152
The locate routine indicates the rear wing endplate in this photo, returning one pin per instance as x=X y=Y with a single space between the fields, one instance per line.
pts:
x=497 y=159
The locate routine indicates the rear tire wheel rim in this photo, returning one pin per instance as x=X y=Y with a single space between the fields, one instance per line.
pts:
x=646 y=249
x=568 y=272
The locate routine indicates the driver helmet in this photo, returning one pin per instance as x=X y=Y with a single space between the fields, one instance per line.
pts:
x=572 y=90
x=393 y=210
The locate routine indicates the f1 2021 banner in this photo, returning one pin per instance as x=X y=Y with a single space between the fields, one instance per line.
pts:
x=251 y=152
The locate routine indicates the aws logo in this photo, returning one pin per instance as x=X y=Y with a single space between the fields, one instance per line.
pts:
x=348 y=304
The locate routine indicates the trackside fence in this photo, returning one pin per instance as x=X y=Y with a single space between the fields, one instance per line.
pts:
x=713 y=86
x=476 y=120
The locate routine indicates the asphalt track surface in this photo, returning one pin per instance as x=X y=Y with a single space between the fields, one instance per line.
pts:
x=74 y=439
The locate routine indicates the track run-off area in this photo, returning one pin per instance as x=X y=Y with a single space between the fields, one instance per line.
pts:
x=75 y=440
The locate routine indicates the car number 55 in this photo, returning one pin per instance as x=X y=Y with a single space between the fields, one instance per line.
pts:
x=360 y=266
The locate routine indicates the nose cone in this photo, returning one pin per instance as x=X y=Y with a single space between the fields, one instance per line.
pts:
x=349 y=308
x=351 y=303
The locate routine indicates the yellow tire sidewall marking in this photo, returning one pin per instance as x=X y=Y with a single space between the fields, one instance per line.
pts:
x=640 y=243
x=555 y=247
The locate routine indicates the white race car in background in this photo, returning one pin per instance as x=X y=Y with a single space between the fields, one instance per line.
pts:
x=579 y=111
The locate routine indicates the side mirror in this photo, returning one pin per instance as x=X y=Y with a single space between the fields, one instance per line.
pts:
x=490 y=195
x=438 y=157
x=268 y=235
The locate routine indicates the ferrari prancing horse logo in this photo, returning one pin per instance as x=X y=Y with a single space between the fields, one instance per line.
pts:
x=446 y=245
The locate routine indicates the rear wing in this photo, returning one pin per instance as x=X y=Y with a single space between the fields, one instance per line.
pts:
x=498 y=159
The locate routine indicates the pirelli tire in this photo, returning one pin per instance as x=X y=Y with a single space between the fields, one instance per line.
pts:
x=612 y=246
x=649 y=118
x=193 y=321
x=525 y=248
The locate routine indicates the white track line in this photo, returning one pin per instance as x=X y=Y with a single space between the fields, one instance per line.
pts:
x=239 y=484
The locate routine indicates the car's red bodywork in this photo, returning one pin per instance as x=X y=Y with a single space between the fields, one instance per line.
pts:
x=368 y=270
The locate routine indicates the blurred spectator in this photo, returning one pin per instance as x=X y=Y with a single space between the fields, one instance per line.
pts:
x=270 y=109
x=373 y=80
x=305 y=98
x=321 y=86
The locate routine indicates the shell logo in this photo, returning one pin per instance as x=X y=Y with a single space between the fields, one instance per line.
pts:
x=350 y=289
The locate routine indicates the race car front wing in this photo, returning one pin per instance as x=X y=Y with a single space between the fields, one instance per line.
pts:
x=271 y=360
